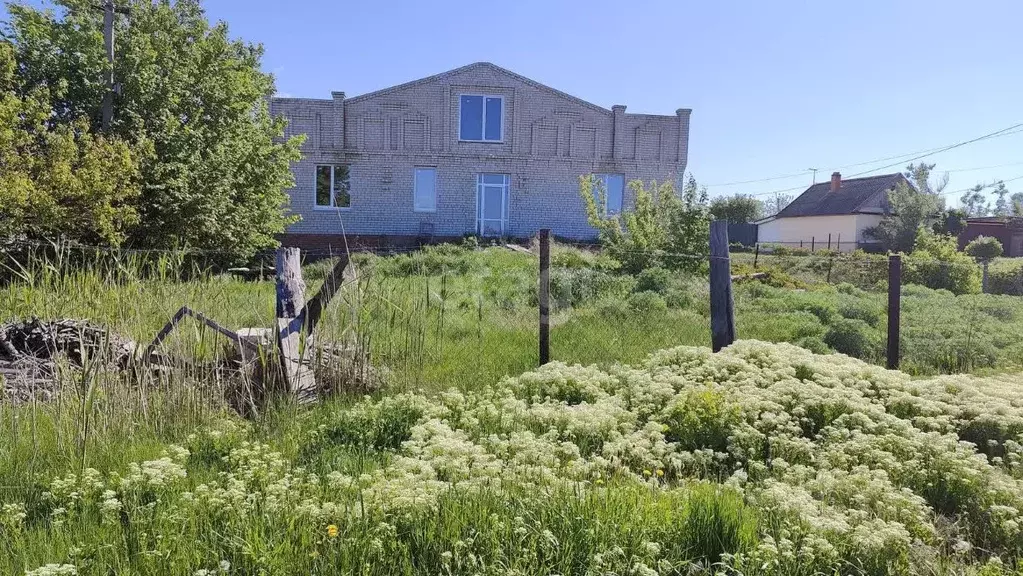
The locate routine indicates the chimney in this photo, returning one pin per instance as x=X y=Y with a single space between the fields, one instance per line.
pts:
x=836 y=181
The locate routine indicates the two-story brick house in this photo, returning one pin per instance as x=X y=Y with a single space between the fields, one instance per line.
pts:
x=475 y=150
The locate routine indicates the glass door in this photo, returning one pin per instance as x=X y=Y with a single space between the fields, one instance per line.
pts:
x=491 y=204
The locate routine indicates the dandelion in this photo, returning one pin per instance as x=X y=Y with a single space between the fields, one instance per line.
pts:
x=600 y=482
x=332 y=531
x=660 y=473
x=647 y=473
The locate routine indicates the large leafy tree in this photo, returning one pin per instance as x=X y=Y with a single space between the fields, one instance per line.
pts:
x=193 y=102
x=739 y=208
x=57 y=178
x=912 y=208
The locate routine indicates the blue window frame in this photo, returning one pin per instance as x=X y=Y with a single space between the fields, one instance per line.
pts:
x=481 y=118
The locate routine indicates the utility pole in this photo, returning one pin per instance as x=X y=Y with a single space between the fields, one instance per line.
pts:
x=814 y=170
x=109 y=9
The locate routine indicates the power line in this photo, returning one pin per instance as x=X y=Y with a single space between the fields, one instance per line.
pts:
x=1003 y=131
x=1016 y=129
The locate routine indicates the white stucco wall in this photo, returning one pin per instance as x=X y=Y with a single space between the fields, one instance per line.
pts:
x=846 y=228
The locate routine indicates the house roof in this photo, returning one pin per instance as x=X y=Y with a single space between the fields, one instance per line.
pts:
x=851 y=197
x=473 y=66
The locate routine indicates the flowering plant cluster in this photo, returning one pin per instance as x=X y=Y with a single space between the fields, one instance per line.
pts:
x=761 y=459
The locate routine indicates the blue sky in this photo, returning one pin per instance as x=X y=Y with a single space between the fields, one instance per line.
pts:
x=776 y=87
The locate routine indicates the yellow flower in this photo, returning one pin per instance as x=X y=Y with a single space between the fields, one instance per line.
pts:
x=660 y=473
x=646 y=473
x=332 y=531
x=600 y=481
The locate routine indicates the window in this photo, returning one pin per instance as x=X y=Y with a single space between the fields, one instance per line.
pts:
x=613 y=187
x=424 y=194
x=332 y=187
x=481 y=118
x=491 y=204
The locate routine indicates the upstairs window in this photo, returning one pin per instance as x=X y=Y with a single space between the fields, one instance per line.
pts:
x=332 y=187
x=481 y=118
x=424 y=196
x=612 y=186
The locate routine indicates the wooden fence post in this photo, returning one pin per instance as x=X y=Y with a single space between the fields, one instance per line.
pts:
x=722 y=307
x=839 y=246
x=756 y=255
x=894 y=301
x=298 y=375
x=829 y=241
x=545 y=296
x=813 y=241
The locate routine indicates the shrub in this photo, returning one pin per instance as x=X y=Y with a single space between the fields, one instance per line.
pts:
x=1006 y=277
x=854 y=338
x=430 y=261
x=568 y=258
x=984 y=248
x=654 y=280
x=937 y=263
x=577 y=286
x=867 y=311
x=647 y=301
x=813 y=344
x=678 y=298
x=663 y=228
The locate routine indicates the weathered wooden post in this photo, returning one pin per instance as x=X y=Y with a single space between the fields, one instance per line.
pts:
x=756 y=254
x=722 y=307
x=813 y=242
x=829 y=240
x=894 y=302
x=545 y=296
x=298 y=375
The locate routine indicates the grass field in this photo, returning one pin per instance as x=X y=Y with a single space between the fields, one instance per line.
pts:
x=764 y=459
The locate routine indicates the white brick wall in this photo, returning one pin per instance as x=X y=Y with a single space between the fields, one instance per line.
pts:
x=550 y=139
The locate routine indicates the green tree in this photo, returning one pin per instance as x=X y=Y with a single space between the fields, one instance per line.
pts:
x=776 y=203
x=951 y=222
x=739 y=208
x=974 y=202
x=1002 y=206
x=910 y=211
x=1016 y=201
x=213 y=162
x=984 y=248
x=57 y=178
x=663 y=229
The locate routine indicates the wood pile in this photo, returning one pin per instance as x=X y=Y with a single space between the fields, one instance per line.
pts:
x=29 y=351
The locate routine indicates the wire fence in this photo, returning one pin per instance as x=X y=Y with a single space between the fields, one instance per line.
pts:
x=458 y=315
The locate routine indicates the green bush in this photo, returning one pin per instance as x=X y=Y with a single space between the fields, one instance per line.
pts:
x=1006 y=277
x=578 y=286
x=654 y=280
x=854 y=338
x=937 y=263
x=647 y=301
x=865 y=310
x=569 y=258
x=430 y=261
x=984 y=248
x=678 y=298
x=813 y=344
